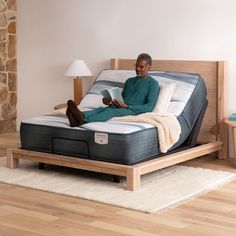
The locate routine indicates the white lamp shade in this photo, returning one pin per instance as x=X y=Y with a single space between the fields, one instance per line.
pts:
x=78 y=68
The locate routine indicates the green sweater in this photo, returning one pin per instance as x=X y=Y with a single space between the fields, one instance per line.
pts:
x=141 y=94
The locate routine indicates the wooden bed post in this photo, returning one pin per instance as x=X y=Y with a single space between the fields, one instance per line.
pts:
x=114 y=63
x=221 y=111
x=133 y=179
x=12 y=162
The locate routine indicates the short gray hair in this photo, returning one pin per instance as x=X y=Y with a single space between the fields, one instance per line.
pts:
x=145 y=57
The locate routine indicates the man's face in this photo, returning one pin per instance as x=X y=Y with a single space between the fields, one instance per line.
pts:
x=142 y=68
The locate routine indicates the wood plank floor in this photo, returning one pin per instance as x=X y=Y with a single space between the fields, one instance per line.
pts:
x=26 y=212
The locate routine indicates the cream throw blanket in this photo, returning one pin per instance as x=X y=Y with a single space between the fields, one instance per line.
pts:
x=167 y=125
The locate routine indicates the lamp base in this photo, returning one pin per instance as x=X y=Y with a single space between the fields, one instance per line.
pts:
x=77 y=90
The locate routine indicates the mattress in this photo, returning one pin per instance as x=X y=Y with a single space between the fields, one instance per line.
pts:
x=118 y=142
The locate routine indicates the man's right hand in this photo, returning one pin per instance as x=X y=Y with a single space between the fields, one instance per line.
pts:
x=120 y=105
x=106 y=101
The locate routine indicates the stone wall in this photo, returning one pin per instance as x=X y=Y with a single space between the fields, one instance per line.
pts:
x=7 y=65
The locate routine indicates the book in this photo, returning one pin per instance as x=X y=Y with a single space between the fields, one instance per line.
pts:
x=113 y=93
x=232 y=117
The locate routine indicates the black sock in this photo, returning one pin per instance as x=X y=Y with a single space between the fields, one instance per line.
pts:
x=72 y=120
x=76 y=113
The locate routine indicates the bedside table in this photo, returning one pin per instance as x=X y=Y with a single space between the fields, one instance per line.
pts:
x=232 y=124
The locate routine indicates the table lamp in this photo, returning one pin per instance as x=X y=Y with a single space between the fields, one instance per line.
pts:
x=78 y=69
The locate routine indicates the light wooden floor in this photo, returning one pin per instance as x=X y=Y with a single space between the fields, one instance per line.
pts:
x=26 y=212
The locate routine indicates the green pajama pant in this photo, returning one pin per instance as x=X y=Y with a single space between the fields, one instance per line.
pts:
x=106 y=113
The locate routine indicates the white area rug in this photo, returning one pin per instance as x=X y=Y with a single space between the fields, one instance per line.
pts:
x=159 y=190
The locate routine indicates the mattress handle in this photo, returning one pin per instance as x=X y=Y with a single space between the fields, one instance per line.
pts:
x=69 y=139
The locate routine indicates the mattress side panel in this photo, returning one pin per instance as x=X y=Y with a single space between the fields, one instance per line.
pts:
x=120 y=148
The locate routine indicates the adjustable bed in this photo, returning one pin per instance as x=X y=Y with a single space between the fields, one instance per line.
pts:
x=132 y=149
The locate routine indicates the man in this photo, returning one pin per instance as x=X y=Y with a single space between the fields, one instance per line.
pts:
x=139 y=94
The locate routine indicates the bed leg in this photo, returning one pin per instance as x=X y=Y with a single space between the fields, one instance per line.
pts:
x=41 y=166
x=224 y=136
x=12 y=162
x=117 y=179
x=133 y=179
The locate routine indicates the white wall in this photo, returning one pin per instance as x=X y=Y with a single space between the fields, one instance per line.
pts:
x=51 y=33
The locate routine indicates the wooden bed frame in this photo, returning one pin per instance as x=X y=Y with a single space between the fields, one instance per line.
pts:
x=213 y=135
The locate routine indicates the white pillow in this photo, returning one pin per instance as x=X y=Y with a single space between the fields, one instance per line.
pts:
x=164 y=98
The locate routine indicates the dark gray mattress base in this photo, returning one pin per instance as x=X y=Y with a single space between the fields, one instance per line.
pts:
x=123 y=148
